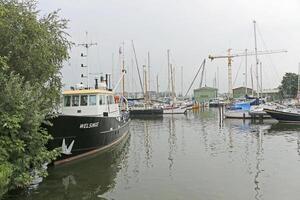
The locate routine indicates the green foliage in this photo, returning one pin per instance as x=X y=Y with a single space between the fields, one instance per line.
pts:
x=289 y=85
x=32 y=51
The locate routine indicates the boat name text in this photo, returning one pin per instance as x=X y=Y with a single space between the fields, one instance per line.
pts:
x=89 y=125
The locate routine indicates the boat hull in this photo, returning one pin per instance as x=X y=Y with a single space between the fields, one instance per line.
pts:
x=146 y=113
x=89 y=134
x=240 y=114
x=283 y=116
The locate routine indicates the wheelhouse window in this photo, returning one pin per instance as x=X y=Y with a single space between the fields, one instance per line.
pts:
x=92 y=100
x=110 y=99
x=75 y=100
x=67 y=101
x=101 y=100
x=83 y=100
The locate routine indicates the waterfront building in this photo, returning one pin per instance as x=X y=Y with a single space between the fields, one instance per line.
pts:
x=272 y=94
x=240 y=92
x=204 y=94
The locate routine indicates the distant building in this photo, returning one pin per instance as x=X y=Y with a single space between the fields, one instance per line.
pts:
x=204 y=94
x=271 y=94
x=240 y=92
x=165 y=94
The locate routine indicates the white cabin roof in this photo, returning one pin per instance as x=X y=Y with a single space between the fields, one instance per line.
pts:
x=87 y=91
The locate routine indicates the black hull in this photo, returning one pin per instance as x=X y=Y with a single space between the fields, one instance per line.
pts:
x=146 y=113
x=285 y=117
x=89 y=134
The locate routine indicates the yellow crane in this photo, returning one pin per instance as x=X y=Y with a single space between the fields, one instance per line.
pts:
x=230 y=56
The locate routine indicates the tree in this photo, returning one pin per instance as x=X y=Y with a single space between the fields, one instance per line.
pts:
x=32 y=51
x=289 y=85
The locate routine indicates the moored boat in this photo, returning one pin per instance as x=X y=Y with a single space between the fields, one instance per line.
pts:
x=90 y=121
x=284 y=115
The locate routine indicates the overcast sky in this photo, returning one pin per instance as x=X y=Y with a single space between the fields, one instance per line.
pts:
x=191 y=29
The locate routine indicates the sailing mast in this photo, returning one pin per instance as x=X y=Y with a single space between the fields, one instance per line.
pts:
x=168 y=55
x=252 y=86
x=112 y=69
x=137 y=67
x=149 y=71
x=123 y=69
x=181 y=80
x=256 y=59
x=157 y=89
x=145 y=83
x=261 y=83
x=246 y=85
x=298 y=92
x=172 y=84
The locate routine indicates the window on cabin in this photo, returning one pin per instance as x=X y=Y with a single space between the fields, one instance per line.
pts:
x=101 y=99
x=67 y=101
x=111 y=99
x=92 y=100
x=75 y=100
x=83 y=100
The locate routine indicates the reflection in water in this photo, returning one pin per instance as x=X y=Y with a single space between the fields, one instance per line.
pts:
x=172 y=143
x=259 y=159
x=283 y=128
x=186 y=157
x=88 y=178
x=147 y=144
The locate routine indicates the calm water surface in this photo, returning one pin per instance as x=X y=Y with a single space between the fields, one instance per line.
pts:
x=185 y=157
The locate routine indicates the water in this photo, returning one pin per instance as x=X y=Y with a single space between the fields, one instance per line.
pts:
x=185 y=157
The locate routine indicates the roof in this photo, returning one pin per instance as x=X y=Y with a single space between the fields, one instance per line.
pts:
x=205 y=88
x=274 y=90
x=242 y=87
x=87 y=91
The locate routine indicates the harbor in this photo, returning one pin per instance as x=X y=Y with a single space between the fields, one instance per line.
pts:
x=117 y=100
x=184 y=157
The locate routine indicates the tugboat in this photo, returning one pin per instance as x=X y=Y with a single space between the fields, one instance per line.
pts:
x=90 y=121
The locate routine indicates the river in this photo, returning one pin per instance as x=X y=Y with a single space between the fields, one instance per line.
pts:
x=193 y=156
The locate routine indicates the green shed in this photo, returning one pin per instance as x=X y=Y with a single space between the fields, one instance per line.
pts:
x=240 y=92
x=204 y=94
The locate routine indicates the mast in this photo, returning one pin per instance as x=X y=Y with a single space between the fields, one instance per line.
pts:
x=256 y=58
x=229 y=73
x=87 y=46
x=246 y=78
x=218 y=78
x=252 y=86
x=112 y=69
x=132 y=79
x=298 y=92
x=157 y=86
x=123 y=69
x=145 y=83
x=168 y=55
x=181 y=80
x=137 y=67
x=172 y=84
x=149 y=71
x=261 y=82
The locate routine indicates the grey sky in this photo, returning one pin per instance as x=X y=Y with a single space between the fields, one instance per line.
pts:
x=191 y=29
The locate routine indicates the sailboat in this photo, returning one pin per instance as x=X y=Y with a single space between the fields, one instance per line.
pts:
x=146 y=108
x=287 y=115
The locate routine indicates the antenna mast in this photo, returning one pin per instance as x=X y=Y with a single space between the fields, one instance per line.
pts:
x=87 y=46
